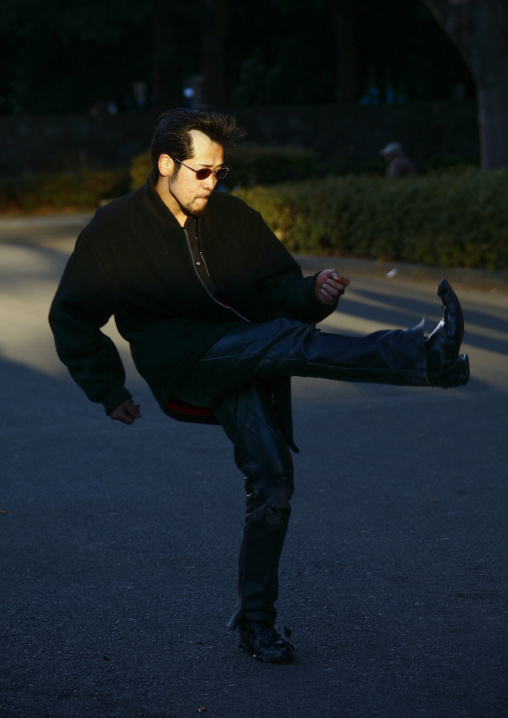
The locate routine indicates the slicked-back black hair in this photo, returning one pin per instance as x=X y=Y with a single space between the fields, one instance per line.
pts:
x=172 y=136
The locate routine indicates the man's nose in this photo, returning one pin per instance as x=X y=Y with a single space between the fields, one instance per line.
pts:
x=210 y=182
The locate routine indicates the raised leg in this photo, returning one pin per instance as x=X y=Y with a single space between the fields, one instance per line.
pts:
x=285 y=347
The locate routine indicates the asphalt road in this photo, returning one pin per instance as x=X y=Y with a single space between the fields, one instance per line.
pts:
x=119 y=543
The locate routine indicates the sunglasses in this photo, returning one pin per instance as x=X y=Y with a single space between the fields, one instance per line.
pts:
x=203 y=174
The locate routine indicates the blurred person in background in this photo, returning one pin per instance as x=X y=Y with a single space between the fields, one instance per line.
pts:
x=398 y=163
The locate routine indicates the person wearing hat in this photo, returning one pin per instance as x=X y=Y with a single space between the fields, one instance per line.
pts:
x=398 y=163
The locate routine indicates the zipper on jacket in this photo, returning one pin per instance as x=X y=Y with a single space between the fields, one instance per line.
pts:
x=204 y=263
x=210 y=294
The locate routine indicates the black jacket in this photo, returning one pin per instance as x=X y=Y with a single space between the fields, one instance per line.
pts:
x=133 y=262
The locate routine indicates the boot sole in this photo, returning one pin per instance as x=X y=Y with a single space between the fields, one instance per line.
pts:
x=245 y=645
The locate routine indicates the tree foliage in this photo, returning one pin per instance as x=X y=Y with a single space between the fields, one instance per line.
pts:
x=64 y=56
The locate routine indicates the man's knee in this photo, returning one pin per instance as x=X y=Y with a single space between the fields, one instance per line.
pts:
x=273 y=513
x=269 y=501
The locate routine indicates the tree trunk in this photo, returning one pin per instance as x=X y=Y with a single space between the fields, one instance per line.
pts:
x=490 y=70
x=479 y=28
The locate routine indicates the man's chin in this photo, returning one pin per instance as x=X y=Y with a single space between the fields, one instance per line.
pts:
x=196 y=209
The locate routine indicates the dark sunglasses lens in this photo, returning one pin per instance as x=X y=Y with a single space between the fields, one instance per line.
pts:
x=203 y=174
x=219 y=174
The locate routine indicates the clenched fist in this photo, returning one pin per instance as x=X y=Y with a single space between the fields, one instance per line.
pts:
x=330 y=286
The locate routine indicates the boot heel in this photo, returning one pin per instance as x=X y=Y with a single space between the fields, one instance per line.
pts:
x=456 y=375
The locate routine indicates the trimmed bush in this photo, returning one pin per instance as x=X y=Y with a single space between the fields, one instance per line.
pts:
x=452 y=217
x=61 y=192
x=447 y=219
x=139 y=169
x=256 y=164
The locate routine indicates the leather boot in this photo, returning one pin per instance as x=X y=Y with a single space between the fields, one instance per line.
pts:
x=258 y=570
x=443 y=344
x=262 y=640
x=456 y=374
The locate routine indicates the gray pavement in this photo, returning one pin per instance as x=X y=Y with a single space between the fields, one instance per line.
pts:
x=119 y=543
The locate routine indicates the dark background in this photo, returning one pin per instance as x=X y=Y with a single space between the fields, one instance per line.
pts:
x=339 y=77
x=64 y=57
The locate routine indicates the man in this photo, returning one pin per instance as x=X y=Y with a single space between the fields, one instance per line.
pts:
x=398 y=163
x=219 y=317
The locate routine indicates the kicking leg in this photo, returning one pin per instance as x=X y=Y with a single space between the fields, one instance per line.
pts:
x=285 y=347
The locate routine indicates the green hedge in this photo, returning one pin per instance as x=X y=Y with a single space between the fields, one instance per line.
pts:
x=139 y=169
x=68 y=191
x=457 y=218
x=450 y=217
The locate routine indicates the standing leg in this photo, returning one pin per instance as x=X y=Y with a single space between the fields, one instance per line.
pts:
x=250 y=419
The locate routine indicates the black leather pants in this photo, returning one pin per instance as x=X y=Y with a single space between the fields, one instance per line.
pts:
x=229 y=378
x=251 y=421
x=285 y=347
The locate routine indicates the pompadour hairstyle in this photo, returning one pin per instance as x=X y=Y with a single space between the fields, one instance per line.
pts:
x=172 y=136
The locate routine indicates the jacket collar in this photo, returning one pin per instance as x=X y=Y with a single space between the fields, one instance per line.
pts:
x=154 y=203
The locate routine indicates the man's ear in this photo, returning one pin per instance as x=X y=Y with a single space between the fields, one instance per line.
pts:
x=165 y=165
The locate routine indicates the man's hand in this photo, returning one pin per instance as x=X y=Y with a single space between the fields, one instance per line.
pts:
x=330 y=286
x=127 y=412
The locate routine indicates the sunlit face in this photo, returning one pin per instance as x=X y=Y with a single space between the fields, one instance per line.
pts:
x=182 y=192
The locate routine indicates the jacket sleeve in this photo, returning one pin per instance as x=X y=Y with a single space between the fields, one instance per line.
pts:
x=280 y=281
x=82 y=305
